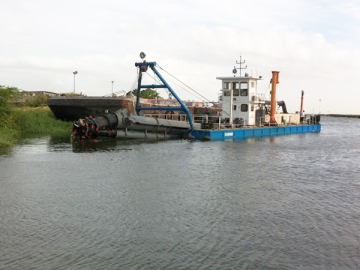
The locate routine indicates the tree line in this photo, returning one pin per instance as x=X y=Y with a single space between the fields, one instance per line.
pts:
x=146 y=93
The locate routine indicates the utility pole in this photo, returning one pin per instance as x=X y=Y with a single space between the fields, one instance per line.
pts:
x=75 y=72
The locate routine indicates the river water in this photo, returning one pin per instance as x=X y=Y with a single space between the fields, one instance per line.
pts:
x=288 y=202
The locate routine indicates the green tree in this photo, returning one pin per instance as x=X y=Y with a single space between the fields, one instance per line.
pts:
x=37 y=101
x=147 y=93
x=7 y=94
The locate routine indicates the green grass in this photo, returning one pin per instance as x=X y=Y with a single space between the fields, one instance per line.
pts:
x=39 y=121
x=8 y=136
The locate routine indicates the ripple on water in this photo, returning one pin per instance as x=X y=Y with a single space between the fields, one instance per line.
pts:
x=288 y=202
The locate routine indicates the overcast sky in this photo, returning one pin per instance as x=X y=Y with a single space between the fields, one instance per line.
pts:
x=315 y=44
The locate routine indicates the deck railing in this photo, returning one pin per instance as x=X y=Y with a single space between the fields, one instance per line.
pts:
x=217 y=122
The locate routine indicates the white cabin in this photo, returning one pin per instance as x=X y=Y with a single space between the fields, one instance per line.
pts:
x=248 y=107
x=240 y=94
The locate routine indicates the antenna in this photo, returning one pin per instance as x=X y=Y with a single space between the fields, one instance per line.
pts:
x=240 y=67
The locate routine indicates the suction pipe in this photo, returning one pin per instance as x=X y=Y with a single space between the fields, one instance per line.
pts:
x=274 y=80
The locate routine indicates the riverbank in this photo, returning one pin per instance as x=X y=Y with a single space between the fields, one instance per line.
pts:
x=26 y=120
x=344 y=115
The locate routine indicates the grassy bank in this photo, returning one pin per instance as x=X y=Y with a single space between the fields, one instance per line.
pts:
x=30 y=121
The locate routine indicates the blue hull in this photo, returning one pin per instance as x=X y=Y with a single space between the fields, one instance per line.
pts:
x=244 y=133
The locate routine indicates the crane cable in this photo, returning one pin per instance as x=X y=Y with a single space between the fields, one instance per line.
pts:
x=212 y=102
x=159 y=82
x=186 y=85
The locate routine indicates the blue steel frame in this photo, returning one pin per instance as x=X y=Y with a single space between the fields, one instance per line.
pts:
x=143 y=67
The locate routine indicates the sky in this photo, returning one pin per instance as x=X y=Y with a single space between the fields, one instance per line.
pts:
x=315 y=44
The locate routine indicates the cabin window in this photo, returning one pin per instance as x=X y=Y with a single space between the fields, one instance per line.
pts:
x=226 y=86
x=252 y=84
x=252 y=108
x=244 y=107
x=235 y=87
x=234 y=107
x=244 y=89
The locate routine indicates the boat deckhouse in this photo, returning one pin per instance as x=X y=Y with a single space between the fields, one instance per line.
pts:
x=241 y=104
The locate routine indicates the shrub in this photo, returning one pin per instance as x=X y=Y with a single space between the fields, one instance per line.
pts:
x=40 y=121
x=7 y=94
x=36 y=101
x=8 y=136
x=14 y=122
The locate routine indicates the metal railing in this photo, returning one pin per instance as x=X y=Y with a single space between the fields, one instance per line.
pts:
x=217 y=122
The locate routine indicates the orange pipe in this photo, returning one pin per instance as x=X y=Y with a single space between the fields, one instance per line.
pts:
x=302 y=99
x=274 y=80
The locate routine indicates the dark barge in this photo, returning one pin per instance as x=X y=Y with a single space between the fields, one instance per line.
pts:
x=71 y=108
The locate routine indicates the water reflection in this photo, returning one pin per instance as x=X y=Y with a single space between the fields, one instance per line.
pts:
x=105 y=145
x=34 y=144
x=5 y=151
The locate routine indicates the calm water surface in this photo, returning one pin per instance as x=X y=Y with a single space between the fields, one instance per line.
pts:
x=289 y=202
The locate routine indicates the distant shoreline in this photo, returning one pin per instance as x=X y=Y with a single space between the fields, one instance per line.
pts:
x=343 y=115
